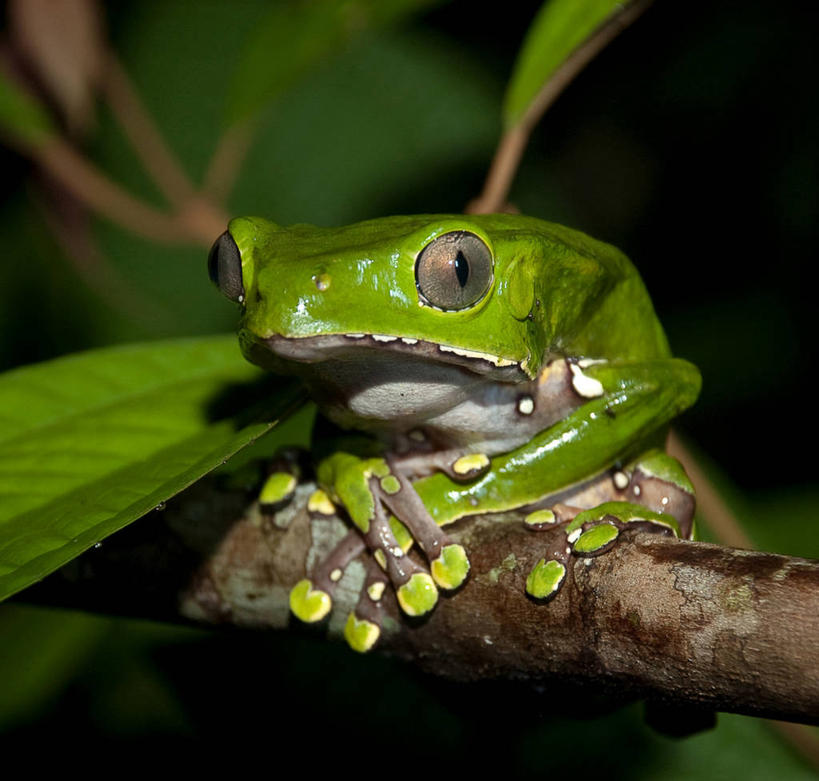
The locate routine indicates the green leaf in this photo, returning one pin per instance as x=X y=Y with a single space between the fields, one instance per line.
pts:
x=295 y=36
x=91 y=442
x=22 y=119
x=559 y=28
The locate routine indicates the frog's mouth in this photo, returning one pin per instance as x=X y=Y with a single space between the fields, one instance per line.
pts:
x=358 y=346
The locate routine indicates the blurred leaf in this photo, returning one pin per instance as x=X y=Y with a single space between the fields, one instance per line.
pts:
x=42 y=651
x=294 y=36
x=62 y=42
x=93 y=441
x=23 y=121
x=559 y=28
x=412 y=113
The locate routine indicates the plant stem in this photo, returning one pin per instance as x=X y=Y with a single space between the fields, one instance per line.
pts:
x=227 y=160
x=513 y=142
x=85 y=182
x=144 y=135
x=721 y=519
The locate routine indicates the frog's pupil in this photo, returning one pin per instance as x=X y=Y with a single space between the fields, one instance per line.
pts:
x=461 y=268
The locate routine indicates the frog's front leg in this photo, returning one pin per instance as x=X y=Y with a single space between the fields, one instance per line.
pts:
x=624 y=407
x=366 y=487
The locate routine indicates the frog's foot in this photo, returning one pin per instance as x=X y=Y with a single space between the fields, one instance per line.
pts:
x=659 y=482
x=367 y=488
x=589 y=533
x=651 y=494
x=593 y=532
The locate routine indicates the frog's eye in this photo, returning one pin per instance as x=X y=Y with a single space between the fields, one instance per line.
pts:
x=454 y=271
x=225 y=267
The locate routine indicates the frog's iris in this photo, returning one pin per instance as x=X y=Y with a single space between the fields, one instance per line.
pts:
x=454 y=271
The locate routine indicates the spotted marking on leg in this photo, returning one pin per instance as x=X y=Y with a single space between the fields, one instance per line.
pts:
x=585 y=386
x=414 y=587
x=526 y=405
x=540 y=519
x=621 y=480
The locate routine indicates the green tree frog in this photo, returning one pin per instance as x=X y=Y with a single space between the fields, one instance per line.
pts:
x=462 y=365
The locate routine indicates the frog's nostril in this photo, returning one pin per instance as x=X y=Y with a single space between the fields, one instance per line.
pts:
x=321 y=281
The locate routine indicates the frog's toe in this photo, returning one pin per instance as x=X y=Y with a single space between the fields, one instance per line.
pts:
x=277 y=490
x=596 y=539
x=282 y=479
x=469 y=467
x=309 y=604
x=361 y=635
x=451 y=567
x=362 y=629
x=546 y=579
x=418 y=595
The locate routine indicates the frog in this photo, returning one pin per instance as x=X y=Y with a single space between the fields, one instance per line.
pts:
x=461 y=365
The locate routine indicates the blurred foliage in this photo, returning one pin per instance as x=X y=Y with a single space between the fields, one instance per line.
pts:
x=110 y=434
x=690 y=143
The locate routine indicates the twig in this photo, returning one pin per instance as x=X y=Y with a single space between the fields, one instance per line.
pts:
x=226 y=161
x=513 y=142
x=86 y=183
x=70 y=224
x=721 y=519
x=142 y=132
x=199 y=222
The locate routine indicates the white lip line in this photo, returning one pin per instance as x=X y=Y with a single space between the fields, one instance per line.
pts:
x=472 y=354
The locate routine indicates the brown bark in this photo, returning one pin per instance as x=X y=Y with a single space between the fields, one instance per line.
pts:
x=691 y=624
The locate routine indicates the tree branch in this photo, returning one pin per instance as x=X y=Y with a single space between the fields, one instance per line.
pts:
x=677 y=622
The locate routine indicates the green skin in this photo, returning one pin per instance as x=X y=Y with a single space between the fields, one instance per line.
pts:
x=452 y=379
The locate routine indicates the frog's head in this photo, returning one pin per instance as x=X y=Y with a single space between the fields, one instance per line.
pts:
x=496 y=294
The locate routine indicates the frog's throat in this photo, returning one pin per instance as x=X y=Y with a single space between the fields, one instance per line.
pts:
x=312 y=349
